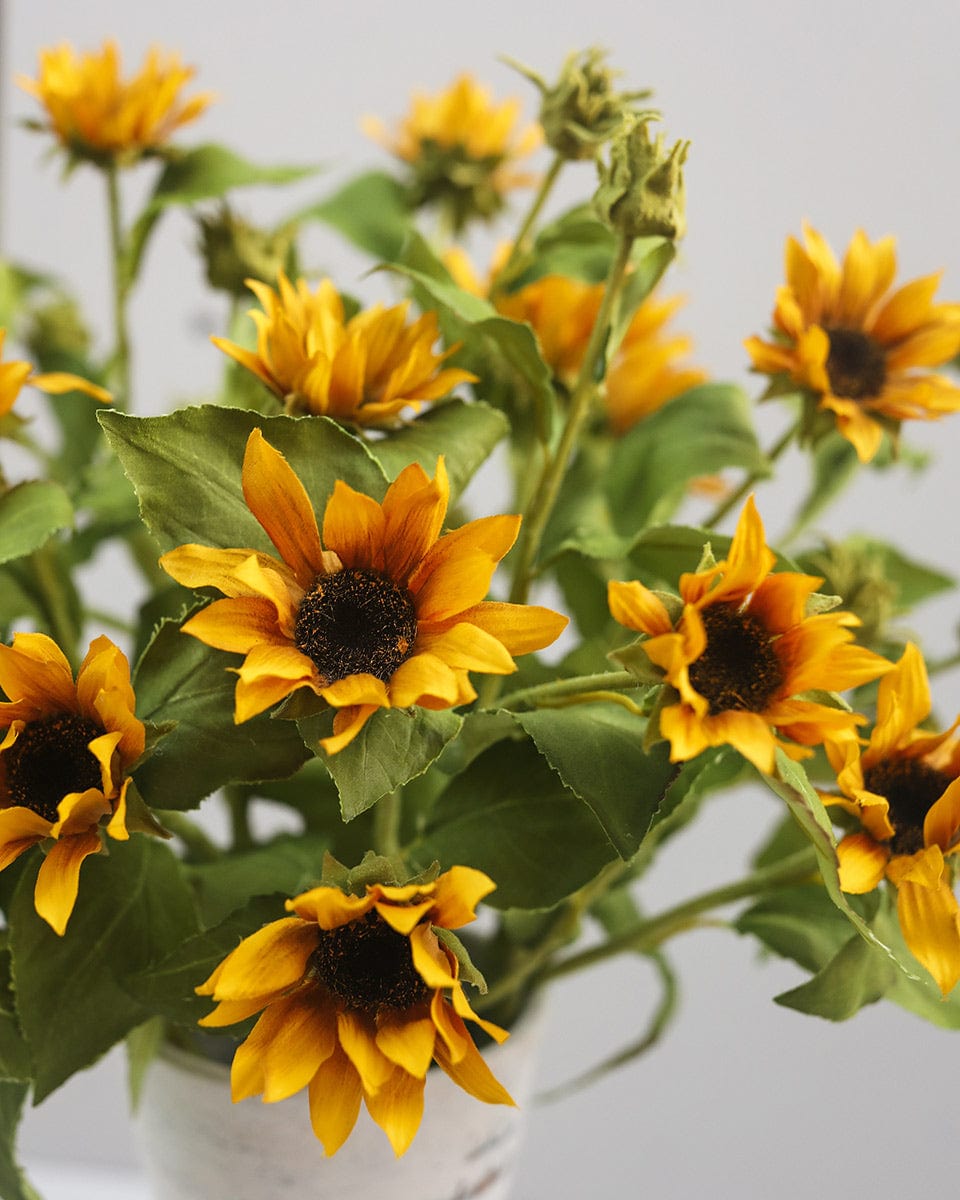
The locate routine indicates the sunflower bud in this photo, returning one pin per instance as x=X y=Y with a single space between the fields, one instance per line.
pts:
x=235 y=251
x=641 y=192
x=582 y=111
x=857 y=572
x=57 y=328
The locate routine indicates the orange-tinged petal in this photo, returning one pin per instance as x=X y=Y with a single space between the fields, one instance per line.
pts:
x=273 y=958
x=229 y=1012
x=407 y=1043
x=422 y=676
x=354 y=528
x=906 y=309
x=237 y=624
x=458 y=892
x=35 y=670
x=684 y=730
x=862 y=862
x=286 y=1047
x=941 y=826
x=268 y=675
x=358 y=1040
x=335 y=1094
x=635 y=606
x=279 y=501
x=413 y=509
x=347 y=725
x=329 y=907
x=58 y=880
x=403 y=918
x=20 y=828
x=472 y=1073
x=928 y=913
x=521 y=628
x=397 y=1107
x=56 y=383
x=466 y=647
x=208 y=566
x=429 y=959
x=749 y=560
x=747 y=732
x=903 y=701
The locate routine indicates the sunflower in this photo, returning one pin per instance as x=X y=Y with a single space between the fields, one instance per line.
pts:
x=860 y=351
x=359 y=996
x=99 y=116
x=15 y=375
x=743 y=652
x=904 y=789
x=462 y=148
x=65 y=751
x=364 y=370
x=383 y=613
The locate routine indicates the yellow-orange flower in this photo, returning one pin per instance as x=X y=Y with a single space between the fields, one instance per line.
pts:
x=15 y=375
x=359 y=996
x=861 y=351
x=462 y=148
x=64 y=755
x=382 y=613
x=98 y=115
x=364 y=370
x=904 y=788
x=743 y=651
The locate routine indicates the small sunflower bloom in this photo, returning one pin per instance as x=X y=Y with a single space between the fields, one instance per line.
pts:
x=383 y=612
x=743 y=653
x=462 y=148
x=364 y=371
x=860 y=351
x=904 y=789
x=65 y=750
x=99 y=116
x=359 y=996
x=15 y=375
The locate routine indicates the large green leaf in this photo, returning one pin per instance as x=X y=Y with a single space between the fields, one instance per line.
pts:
x=183 y=681
x=701 y=432
x=29 y=514
x=597 y=750
x=509 y=814
x=463 y=433
x=133 y=908
x=395 y=746
x=186 y=469
x=372 y=210
x=855 y=976
x=13 y=1183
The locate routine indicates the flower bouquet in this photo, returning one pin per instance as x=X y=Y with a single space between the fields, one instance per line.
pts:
x=505 y=713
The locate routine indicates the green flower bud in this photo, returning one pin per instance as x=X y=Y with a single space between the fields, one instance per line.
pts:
x=857 y=572
x=57 y=328
x=641 y=192
x=235 y=251
x=582 y=111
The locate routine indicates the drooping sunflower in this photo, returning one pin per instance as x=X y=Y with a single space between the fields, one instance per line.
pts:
x=100 y=116
x=860 y=351
x=359 y=996
x=462 y=148
x=904 y=789
x=364 y=370
x=64 y=755
x=383 y=612
x=743 y=652
x=15 y=375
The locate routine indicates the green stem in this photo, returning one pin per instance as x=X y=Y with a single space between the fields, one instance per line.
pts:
x=201 y=848
x=555 y=466
x=735 y=497
x=558 y=689
x=121 y=350
x=49 y=578
x=387 y=817
x=238 y=802
x=505 y=275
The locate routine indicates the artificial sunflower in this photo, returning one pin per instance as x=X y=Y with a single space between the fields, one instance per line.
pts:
x=101 y=117
x=364 y=370
x=904 y=789
x=860 y=351
x=15 y=375
x=743 y=651
x=359 y=996
x=462 y=148
x=65 y=751
x=382 y=613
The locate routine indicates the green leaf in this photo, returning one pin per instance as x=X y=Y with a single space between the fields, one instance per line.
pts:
x=597 y=750
x=186 y=469
x=664 y=552
x=142 y=1045
x=509 y=814
x=29 y=514
x=373 y=211
x=181 y=680
x=855 y=976
x=395 y=746
x=463 y=433
x=13 y=1182
x=915 y=582
x=133 y=908
x=652 y=464
x=800 y=923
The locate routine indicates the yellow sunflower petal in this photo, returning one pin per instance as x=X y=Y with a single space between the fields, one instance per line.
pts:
x=928 y=913
x=56 y=383
x=636 y=607
x=58 y=880
x=414 y=509
x=347 y=725
x=458 y=892
x=237 y=624
x=942 y=822
x=20 y=828
x=472 y=1073
x=403 y=918
x=353 y=528
x=456 y=572
x=285 y=1049
x=466 y=647
x=397 y=1107
x=521 y=628
x=268 y=675
x=35 y=670
x=862 y=862
x=358 y=1040
x=273 y=958
x=407 y=1043
x=906 y=309
x=429 y=959
x=747 y=732
x=421 y=676
x=329 y=907
x=279 y=501
x=207 y=566
x=335 y=1094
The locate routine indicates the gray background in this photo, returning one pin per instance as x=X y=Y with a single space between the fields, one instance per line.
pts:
x=843 y=113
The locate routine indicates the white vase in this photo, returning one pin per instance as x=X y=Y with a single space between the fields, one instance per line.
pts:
x=197 y=1145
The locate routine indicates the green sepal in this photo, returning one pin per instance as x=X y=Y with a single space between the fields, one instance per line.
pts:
x=134 y=906
x=469 y=973
x=30 y=513
x=394 y=746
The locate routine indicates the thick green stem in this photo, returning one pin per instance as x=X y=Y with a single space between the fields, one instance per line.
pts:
x=755 y=476
x=558 y=689
x=238 y=802
x=505 y=275
x=53 y=589
x=121 y=348
x=387 y=817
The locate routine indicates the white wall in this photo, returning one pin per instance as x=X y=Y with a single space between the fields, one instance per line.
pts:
x=844 y=113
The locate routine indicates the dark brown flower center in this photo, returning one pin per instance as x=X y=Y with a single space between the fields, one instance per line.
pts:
x=366 y=965
x=739 y=668
x=50 y=759
x=911 y=787
x=356 y=622
x=856 y=366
